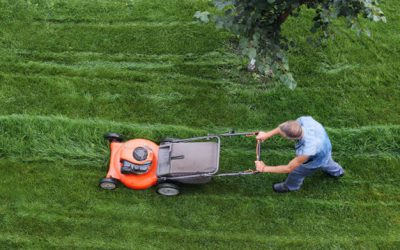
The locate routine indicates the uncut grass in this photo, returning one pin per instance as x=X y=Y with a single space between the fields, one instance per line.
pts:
x=60 y=138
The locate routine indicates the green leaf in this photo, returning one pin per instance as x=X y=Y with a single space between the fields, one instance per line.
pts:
x=197 y=14
x=252 y=53
x=243 y=43
x=288 y=80
x=203 y=16
x=222 y=4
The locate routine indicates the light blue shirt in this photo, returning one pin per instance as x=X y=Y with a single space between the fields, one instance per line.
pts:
x=315 y=143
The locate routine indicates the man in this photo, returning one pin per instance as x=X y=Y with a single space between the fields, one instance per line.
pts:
x=313 y=151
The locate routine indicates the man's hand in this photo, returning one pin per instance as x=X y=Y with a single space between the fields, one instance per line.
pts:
x=282 y=169
x=262 y=136
x=260 y=166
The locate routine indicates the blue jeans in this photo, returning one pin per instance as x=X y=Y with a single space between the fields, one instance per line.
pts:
x=296 y=177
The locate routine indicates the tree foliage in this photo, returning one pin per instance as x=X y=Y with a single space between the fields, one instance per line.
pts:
x=257 y=23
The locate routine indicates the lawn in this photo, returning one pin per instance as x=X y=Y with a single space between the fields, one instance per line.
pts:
x=72 y=70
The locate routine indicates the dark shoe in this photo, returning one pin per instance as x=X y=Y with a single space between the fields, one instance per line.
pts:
x=280 y=187
x=336 y=177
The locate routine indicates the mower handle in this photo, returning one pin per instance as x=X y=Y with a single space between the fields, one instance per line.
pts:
x=247 y=172
x=247 y=134
x=258 y=150
x=233 y=133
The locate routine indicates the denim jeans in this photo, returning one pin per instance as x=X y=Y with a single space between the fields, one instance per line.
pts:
x=296 y=177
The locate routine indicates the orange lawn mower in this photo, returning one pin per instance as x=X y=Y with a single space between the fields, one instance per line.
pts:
x=141 y=164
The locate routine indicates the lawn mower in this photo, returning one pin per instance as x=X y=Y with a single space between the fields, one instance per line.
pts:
x=141 y=163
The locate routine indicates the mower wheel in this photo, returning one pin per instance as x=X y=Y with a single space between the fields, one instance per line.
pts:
x=167 y=189
x=111 y=137
x=108 y=183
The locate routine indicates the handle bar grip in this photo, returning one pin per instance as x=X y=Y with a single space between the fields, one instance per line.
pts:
x=252 y=134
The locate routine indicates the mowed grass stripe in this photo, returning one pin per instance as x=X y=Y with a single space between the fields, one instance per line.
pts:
x=339 y=197
x=118 y=61
x=209 y=63
x=345 y=78
x=169 y=241
x=200 y=71
x=217 y=102
x=105 y=10
x=117 y=99
x=16 y=55
x=213 y=65
x=374 y=76
x=106 y=24
x=121 y=70
x=72 y=202
x=172 y=39
x=70 y=221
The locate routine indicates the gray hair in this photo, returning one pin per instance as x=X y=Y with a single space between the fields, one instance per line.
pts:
x=291 y=129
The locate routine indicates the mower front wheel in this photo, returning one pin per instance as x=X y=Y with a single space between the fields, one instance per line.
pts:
x=167 y=189
x=108 y=183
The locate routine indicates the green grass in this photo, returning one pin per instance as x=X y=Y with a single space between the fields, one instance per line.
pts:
x=53 y=138
x=72 y=70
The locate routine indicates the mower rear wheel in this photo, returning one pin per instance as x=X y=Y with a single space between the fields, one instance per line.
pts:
x=111 y=137
x=108 y=183
x=167 y=189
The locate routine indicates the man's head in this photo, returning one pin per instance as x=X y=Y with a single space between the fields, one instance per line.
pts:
x=291 y=130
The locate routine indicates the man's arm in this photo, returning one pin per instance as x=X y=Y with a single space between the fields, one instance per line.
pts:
x=265 y=135
x=282 y=169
